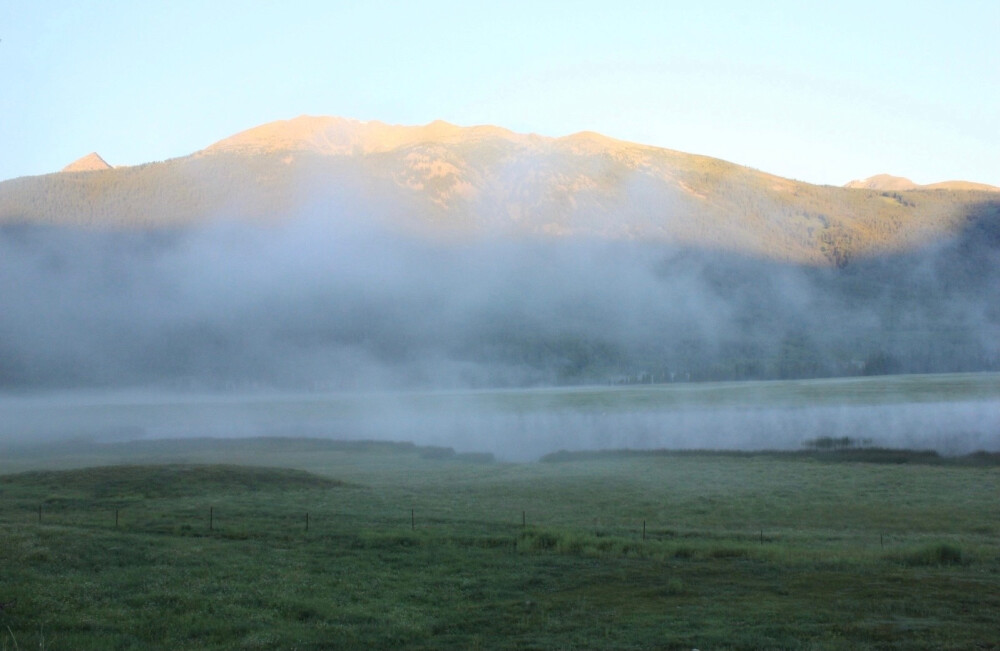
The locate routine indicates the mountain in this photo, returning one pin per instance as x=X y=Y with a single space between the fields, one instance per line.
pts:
x=888 y=182
x=335 y=136
x=332 y=253
x=449 y=181
x=90 y=163
x=883 y=182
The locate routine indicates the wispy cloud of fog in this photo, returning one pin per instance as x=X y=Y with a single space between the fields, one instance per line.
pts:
x=330 y=301
x=521 y=425
x=317 y=303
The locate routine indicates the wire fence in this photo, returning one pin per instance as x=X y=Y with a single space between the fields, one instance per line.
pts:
x=298 y=523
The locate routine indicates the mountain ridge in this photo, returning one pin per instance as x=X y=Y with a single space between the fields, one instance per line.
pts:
x=890 y=182
x=440 y=179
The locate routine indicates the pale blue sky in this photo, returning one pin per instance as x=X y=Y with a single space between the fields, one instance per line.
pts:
x=823 y=92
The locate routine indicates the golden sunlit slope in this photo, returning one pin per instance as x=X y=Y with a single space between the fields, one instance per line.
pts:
x=889 y=182
x=883 y=182
x=89 y=163
x=449 y=180
x=343 y=137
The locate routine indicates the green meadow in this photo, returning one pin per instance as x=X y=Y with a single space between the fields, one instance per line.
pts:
x=311 y=544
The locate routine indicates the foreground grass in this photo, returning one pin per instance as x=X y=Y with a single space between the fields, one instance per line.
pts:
x=404 y=551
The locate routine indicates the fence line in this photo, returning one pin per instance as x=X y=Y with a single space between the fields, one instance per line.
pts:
x=262 y=523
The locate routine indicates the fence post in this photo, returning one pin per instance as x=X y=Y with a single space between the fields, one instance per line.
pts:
x=307 y=520
x=413 y=521
x=116 y=518
x=211 y=518
x=644 y=530
x=524 y=520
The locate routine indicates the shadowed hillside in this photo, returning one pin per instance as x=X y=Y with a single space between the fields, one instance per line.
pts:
x=313 y=303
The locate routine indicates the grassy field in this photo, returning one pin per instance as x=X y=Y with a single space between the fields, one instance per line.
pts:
x=308 y=544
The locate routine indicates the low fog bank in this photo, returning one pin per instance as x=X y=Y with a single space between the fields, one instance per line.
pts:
x=323 y=302
x=523 y=425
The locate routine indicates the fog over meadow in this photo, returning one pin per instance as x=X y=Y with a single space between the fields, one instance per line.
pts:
x=332 y=306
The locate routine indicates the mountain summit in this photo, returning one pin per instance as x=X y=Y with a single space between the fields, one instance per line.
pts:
x=887 y=182
x=92 y=162
x=335 y=136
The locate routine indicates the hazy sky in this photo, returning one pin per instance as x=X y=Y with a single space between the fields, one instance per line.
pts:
x=819 y=91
